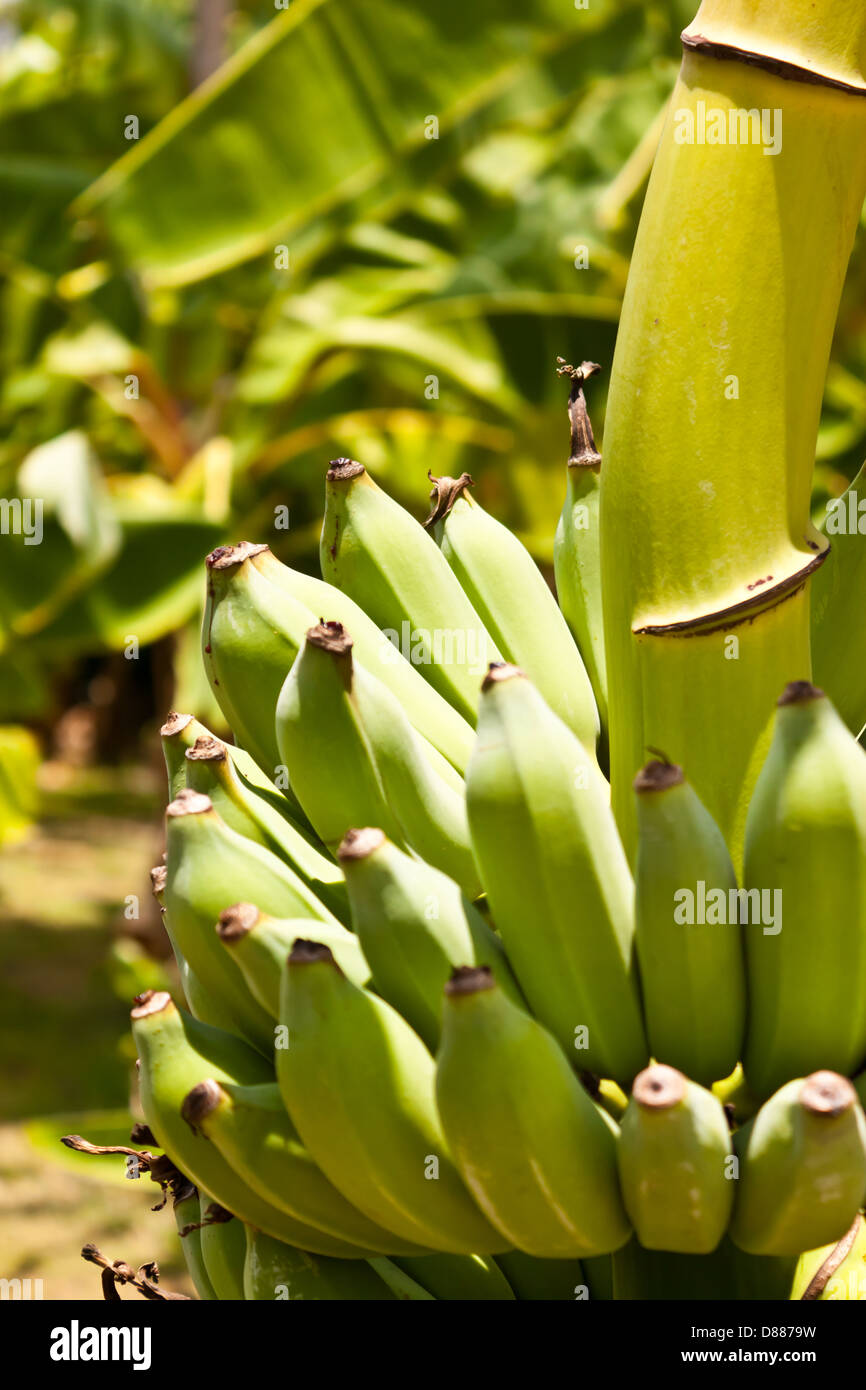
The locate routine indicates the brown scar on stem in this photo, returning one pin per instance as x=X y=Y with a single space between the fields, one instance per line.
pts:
x=779 y=67
x=737 y=613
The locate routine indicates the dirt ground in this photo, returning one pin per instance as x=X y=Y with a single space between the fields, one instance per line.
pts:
x=75 y=908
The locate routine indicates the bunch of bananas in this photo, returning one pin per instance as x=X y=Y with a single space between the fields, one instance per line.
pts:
x=438 y=1039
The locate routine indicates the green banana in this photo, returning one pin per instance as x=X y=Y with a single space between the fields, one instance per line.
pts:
x=430 y=714
x=576 y=551
x=250 y=1128
x=543 y=1280
x=556 y=876
x=458 y=1278
x=835 y=1272
x=243 y=807
x=275 y=1270
x=415 y=926
x=727 y=1274
x=224 y=1249
x=178 y=733
x=375 y=551
x=187 y=1215
x=201 y=1004
x=359 y=1085
x=249 y=625
x=806 y=854
x=802 y=1167
x=176 y=1052
x=208 y=867
x=259 y=944
x=354 y=759
x=675 y=1169
x=510 y=594
x=691 y=969
x=537 y=1154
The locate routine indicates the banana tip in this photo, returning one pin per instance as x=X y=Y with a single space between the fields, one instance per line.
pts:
x=825 y=1093
x=359 y=844
x=659 y=1087
x=499 y=671
x=199 y=1102
x=799 y=693
x=188 y=803
x=207 y=749
x=234 y=922
x=655 y=776
x=225 y=557
x=343 y=470
x=311 y=953
x=152 y=1001
x=470 y=979
x=330 y=637
x=175 y=723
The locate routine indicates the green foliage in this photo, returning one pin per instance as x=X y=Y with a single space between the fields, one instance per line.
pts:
x=284 y=267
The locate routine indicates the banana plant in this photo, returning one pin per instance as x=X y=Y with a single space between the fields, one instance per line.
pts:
x=594 y=1036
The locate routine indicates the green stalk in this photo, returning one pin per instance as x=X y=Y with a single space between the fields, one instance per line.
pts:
x=715 y=394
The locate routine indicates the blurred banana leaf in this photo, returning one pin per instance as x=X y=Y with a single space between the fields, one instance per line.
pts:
x=19 y=764
x=369 y=232
x=312 y=112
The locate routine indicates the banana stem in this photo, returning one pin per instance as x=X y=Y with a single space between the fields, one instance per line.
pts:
x=707 y=546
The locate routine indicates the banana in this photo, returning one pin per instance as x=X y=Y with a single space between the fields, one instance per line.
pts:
x=249 y=625
x=691 y=970
x=275 y=1270
x=178 y=733
x=354 y=759
x=458 y=1278
x=224 y=1249
x=835 y=1272
x=537 y=1154
x=674 y=1156
x=260 y=944
x=359 y=1085
x=187 y=1215
x=727 y=1274
x=199 y=1002
x=243 y=807
x=802 y=1167
x=576 y=551
x=805 y=863
x=556 y=876
x=375 y=551
x=250 y=1128
x=430 y=714
x=323 y=742
x=415 y=926
x=176 y=1052
x=543 y=1280
x=510 y=594
x=208 y=867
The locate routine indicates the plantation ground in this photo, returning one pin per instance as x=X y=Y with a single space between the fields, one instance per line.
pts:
x=68 y=969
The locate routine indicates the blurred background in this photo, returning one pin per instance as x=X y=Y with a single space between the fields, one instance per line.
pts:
x=237 y=240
